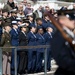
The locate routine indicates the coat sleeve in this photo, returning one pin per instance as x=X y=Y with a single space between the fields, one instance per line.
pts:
x=2 y=40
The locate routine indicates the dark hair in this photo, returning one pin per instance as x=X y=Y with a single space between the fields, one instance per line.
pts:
x=39 y=19
x=45 y=15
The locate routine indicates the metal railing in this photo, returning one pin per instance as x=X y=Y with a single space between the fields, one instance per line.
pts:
x=25 y=47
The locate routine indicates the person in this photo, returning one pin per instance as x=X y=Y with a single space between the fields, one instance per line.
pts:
x=46 y=22
x=10 y=5
x=31 y=52
x=23 y=53
x=13 y=15
x=20 y=11
x=14 y=41
x=31 y=20
x=47 y=9
x=48 y=38
x=6 y=54
x=40 y=51
x=1 y=30
x=62 y=52
x=39 y=23
x=38 y=13
x=28 y=9
x=24 y=4
x=4 y=15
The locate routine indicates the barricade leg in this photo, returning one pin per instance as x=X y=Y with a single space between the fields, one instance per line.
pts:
x=45 y=57
x=15 y=61
x=0 y=61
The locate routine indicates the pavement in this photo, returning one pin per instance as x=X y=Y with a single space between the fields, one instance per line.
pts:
x=53 y=69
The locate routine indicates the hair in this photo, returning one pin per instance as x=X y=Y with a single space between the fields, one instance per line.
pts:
x=45 y=15
x=38 y=19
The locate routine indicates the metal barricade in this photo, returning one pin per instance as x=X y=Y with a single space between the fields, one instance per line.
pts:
x=25 y=47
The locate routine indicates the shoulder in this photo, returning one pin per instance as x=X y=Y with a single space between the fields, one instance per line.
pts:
x=45 y=33
x=29 y=33
x=37 y=34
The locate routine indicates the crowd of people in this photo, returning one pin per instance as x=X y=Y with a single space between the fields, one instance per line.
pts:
x=20 y=26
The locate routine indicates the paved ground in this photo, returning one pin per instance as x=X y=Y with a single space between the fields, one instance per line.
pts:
x=53 y=69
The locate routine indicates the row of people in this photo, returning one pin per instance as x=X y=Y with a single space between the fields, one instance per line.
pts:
x=18 y=36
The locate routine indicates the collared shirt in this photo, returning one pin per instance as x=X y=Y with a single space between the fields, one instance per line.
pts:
x=24 y=33
x=33 y=34
x=40 y=13
x=50 y=34
x=15 y=30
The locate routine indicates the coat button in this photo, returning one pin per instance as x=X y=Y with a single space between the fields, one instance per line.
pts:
x=8 y=41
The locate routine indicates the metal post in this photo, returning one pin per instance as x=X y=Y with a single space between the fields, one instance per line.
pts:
x=15 y=52
x=0 y=61
x=45 y=61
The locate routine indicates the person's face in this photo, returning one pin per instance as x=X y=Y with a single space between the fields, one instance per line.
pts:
x=40 y=8
x=30 y=18
x=50 y=29
x=39 y=22
x=10 y=1
x=14 y=14
x=20 y=7
x=47 y=8
x=8 y=28
x=15 y=26
x=5 y=14
x=24 y=29
x=47 y=18
x=41 y=31
x=19 y=22
x=33 y=29
x=29 y=5
x=25 y=2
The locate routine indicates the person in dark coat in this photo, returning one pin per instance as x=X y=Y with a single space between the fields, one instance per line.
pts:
x=46 y=22
x=13 y=15
x=62 y=52
x=10 y=5
x=31 y=20
x=31 y=52
x=48 y=37
x=40 y=51
x=23 y=56
x=14 y=41
x=39 y=23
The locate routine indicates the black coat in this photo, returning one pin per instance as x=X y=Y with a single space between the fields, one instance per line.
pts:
x=23 y=55
x=23 y=41
x=63 y=55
